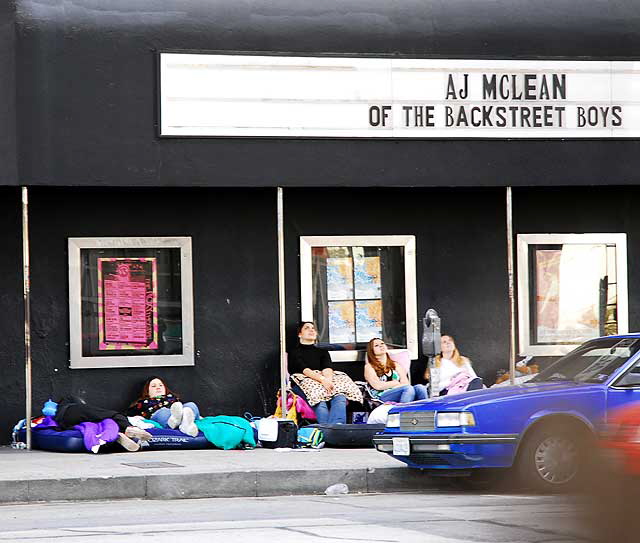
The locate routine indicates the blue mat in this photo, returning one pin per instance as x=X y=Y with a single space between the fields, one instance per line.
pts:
x=163 y=439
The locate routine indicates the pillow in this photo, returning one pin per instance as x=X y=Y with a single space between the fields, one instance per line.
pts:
x=402 y=357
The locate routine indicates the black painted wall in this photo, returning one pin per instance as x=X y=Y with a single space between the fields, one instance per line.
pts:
x=12 y=389
x=8 y=159
x=586 y=210
x=460 y=258
x=87 y=82
x=460 y=255
x=86 y=114
x=235 y=290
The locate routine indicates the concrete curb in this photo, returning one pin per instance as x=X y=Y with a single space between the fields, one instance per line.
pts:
x=214 y=485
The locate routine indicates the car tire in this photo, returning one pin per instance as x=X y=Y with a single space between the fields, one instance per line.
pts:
x=552 y=457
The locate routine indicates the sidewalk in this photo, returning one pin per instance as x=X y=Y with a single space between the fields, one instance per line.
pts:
x=40 y=476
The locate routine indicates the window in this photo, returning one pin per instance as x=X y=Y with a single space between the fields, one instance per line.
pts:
x=571 y=288
x=130 y=302
x=356 y=288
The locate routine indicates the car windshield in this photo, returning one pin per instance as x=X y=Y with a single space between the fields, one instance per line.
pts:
x=593 y=362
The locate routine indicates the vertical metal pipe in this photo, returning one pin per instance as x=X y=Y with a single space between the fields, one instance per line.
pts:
x=281 y=303
x=512 y=305
x=26 y=291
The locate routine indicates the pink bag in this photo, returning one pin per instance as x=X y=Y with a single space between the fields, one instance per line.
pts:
x=302 y=407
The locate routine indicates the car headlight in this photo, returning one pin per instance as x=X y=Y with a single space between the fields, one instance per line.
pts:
x=393 y=420
x=458 y=418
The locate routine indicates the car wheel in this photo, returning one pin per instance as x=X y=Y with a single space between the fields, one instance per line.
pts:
x=552 y=457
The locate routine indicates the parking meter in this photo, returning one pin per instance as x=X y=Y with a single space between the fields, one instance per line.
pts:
x=431 y=348
x=431 y=333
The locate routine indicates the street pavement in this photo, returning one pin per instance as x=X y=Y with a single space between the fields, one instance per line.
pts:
x=40 y=476
x=431 y=517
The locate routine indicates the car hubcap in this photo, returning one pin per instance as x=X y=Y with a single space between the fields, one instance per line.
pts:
x=556 y=460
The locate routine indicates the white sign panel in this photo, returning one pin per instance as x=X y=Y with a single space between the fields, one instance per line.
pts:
x=242 y=95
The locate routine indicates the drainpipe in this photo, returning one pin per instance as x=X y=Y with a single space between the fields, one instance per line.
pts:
x=281 y=303
x=512 y=305
x=26 y=291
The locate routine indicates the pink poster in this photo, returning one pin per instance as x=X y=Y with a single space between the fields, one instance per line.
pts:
x=127 y=303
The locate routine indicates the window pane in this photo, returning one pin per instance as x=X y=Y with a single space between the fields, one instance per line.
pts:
x=342 y=327
x=573 y=293
x=339 y=278
x=358 y=294
x=368 y=320
x=366 y=275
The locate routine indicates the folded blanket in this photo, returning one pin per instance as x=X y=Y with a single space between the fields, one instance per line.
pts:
x=316 y=393
x=227 y=432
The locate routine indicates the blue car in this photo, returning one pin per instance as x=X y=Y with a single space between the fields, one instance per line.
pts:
x=545 y=428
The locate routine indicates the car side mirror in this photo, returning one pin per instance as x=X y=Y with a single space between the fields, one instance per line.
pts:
x=631 y=379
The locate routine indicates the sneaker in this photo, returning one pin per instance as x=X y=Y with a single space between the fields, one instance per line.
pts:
x=128 y=443
x=176 y=415
x=188 y=426
x=137 y=433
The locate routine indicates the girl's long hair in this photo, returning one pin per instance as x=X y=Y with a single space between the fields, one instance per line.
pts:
x=379 y=367
x=457 y=358
x=144 y=395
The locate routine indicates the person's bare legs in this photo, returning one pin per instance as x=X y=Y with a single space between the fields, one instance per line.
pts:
x=128 y=443
x=137 y=433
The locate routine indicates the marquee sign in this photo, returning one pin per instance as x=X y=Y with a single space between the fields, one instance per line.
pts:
x=346 y=97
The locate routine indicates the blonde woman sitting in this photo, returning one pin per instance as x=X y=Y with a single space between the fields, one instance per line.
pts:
x=451 y=364
x=389 y=381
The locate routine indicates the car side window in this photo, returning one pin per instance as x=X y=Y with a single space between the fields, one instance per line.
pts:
x=635 y=368
x=631 y=379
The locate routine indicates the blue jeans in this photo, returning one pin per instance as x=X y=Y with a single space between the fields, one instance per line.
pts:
x=404 y=393
x=333 y=413
x=162 y=415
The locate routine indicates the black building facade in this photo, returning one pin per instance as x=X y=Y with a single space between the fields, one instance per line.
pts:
x=79 y=123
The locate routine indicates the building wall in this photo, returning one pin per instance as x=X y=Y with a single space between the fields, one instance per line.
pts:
x=586 y=210
x=460 y=255
x=8 y=162
x=86 y=112
x=12 y=388
x=235 y=296
x=460 y=260
x=88 y=91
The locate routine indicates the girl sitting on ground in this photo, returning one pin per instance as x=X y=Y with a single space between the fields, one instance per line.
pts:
x=451 y=364
x=312 y=377
x=389 y=381
x=158 y=403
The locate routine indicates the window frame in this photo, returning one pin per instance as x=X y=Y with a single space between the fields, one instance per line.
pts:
x=408 y=242
x=77 y=360
x=526 y=348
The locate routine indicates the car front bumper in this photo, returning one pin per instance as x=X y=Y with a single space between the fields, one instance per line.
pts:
x=452 y=451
